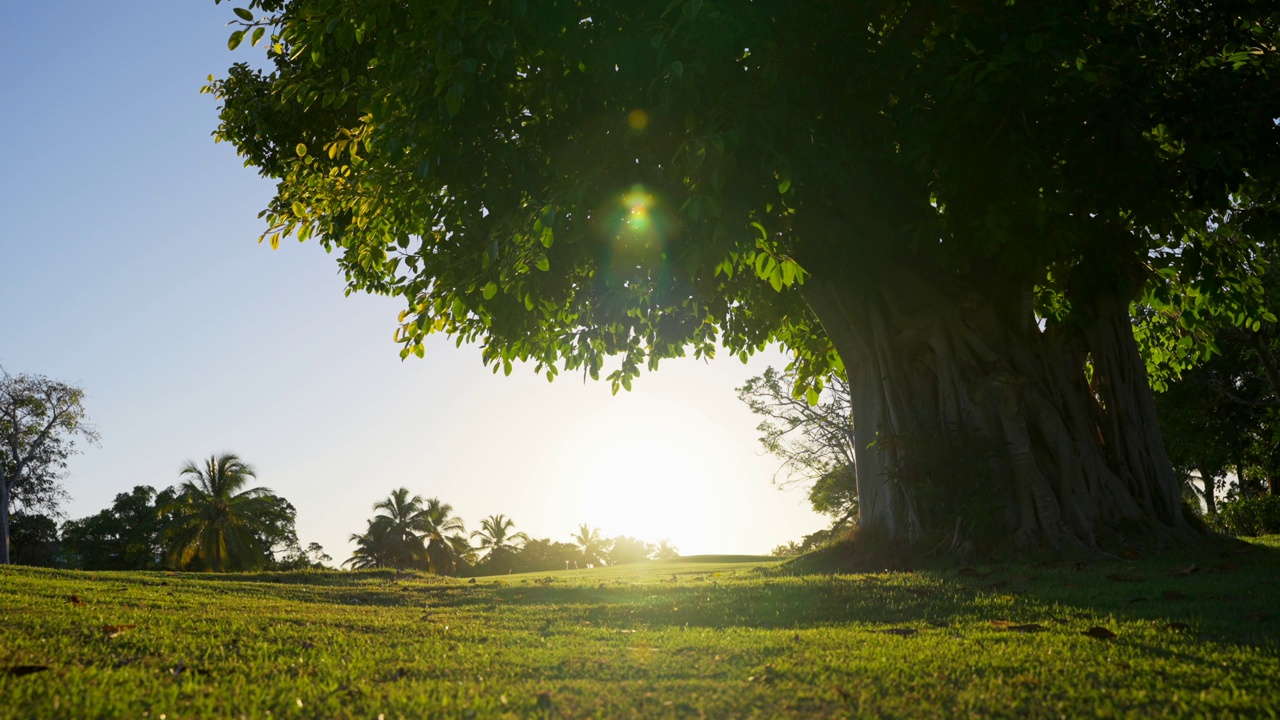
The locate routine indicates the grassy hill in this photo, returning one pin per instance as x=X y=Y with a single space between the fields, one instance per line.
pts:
x=723 y=636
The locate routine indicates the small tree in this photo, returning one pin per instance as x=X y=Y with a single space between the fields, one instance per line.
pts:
x=626 y=549
x=40 y=421
x=498 y=542
x=591 y=543
x=813 y=436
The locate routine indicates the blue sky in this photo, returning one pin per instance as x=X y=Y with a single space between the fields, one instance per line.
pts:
x=129 y=264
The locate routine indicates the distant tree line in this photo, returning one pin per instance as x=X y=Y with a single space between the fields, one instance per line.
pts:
x=415 y=533
x=211 y=521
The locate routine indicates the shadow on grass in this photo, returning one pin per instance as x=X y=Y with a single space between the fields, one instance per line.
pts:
x=1227 y=596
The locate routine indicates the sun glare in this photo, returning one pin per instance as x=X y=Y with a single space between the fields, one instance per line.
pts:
x=647 y=469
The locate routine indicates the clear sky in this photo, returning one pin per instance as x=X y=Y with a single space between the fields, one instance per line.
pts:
x=129 y=264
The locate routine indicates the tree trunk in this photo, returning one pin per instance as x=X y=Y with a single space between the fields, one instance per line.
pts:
x=972 y=423
x=1210 y=492
x=4 y=520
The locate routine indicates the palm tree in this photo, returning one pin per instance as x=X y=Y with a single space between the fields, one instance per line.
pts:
x=496 y=536
x=441 y=527
x=405 y=523
x=591 y=542
x=216 y=522
x=374 y=547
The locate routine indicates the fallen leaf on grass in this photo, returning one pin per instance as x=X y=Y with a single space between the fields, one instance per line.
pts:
x=1177 y=626
x=1130 y=555
x=1188 y=570
x=75 y=600
x=1173 y=595
x=20 y=670
x=1016 y=627
x=901 y=632
x=1125 y=577
x=114 y=630
x=1099 y=633
x=844 y=694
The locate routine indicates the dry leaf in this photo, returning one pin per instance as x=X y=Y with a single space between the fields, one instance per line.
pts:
x=1099 y=633
x=1173 y=595
x=1130 y=555
x=902 y=632
x=114 y=630
x=20 y=670
x=1124 y=577
x=77 y=601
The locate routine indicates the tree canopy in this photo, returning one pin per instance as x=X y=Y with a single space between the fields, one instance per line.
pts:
x=955 y=203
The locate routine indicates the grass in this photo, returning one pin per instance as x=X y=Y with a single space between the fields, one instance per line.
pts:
x=695 y=637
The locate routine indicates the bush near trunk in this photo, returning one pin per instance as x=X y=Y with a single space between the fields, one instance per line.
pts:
x=1248 y=517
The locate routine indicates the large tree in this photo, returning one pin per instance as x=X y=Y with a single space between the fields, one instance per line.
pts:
x=40 y=422
x=125 y=536
x=216 y=522
x=955 y=203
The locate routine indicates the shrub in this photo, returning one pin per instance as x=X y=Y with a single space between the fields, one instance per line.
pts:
x=1248 y=516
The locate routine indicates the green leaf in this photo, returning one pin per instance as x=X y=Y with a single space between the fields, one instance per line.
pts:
x=257 y=35
x=490 y=290
x=234 y=41
x=784 y=185
x=243 y=14
x=301 y=149
x=544 y=264
x=677 y=68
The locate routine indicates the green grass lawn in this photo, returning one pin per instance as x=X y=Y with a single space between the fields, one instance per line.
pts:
x=711 y=637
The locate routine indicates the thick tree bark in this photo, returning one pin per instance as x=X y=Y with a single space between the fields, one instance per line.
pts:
x=1065 y=424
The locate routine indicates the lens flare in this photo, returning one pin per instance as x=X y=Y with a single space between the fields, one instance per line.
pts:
x=638 y=119
x=637 y=204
